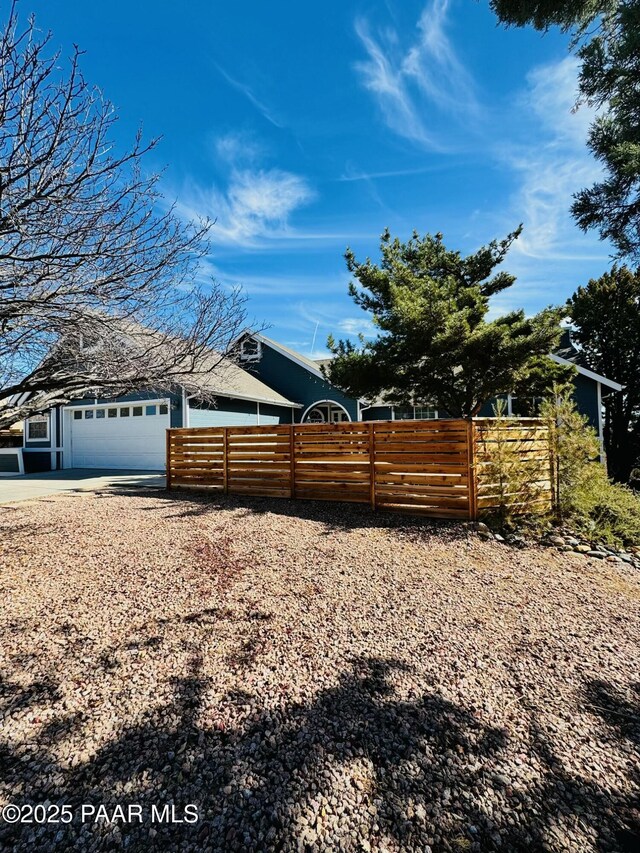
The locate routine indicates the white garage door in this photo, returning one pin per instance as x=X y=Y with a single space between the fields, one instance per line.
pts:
x=128 y=435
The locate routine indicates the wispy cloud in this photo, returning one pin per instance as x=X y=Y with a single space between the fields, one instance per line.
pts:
x=434 y=64
x=255 y=205
x=553 y=166
x=238 y=147
x=382 y=76
x=418 y=79
x=250 y=95
x=352 y=174
x=319 y=319
x=355 y=326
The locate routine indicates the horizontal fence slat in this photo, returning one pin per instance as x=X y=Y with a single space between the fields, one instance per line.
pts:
x=421 y=467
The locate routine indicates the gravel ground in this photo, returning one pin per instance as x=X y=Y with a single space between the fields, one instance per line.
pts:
x=310 y=677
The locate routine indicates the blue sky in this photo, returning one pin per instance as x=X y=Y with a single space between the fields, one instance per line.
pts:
x=304 y=129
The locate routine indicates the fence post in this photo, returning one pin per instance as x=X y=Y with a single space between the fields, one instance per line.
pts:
x=168 y=462
x=471 y=465
x=292 y=462
x=372 y=466
x=225 y=460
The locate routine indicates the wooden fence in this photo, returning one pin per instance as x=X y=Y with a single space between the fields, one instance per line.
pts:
x=438 y=468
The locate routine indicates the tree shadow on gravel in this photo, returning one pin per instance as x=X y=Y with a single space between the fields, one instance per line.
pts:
x=333 y=515
x=620 y=715
x=356 y=768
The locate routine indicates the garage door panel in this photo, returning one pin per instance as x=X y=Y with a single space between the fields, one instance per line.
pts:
x=129 y=442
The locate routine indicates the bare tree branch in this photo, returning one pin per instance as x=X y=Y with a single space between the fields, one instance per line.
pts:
x=98 y=292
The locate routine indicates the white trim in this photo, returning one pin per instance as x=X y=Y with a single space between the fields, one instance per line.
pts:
x=250 y=357
x=234 y=396
x=600 y=427
x=509 y=405
x=53 y=432
x=18 y=450
x=322 y=403
x=586 y=372
x=66 y=437
x=185 y=408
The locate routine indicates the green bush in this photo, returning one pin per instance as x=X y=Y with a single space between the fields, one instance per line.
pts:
x=602 y=509
x=584 y=497
x=509 y=476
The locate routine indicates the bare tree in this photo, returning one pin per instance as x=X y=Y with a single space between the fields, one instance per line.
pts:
x=99 y=289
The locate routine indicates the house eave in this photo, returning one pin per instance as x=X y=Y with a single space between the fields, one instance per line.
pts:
x=233 y=395
x=590 y=374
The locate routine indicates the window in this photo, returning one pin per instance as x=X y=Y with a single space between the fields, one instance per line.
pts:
x=112 y=413
x=100 y=413
x=150 y=410
x=164 y=408
x=88 y=414
x=38 y=428
x=77 y=416
x=403 y=413
x=425 y=413
x=124 y=413
x=315 y=416
x=137 y=411
x=415 y=413
x=250 y=350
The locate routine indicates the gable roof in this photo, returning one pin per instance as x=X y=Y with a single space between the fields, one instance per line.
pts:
x=292 y=355
x=227 y=379
x=569 y=354
x=566 y=354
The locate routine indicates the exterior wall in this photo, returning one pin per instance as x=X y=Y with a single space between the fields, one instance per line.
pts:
x=298 y=384
x=377 y=413
x=586 y=397
x=230 y=412
x=487 y=408
x=36 y=461
x=37 y=454
x=276 y=414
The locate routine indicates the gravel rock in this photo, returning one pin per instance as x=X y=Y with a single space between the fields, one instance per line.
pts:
x=311 y=677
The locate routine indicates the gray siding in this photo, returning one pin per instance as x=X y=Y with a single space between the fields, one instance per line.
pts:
x=228 y=412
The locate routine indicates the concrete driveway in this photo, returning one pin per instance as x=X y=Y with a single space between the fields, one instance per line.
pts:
x=30 y=486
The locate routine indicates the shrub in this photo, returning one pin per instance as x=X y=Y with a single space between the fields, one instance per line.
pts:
x=584 y=497
x=508 y=474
